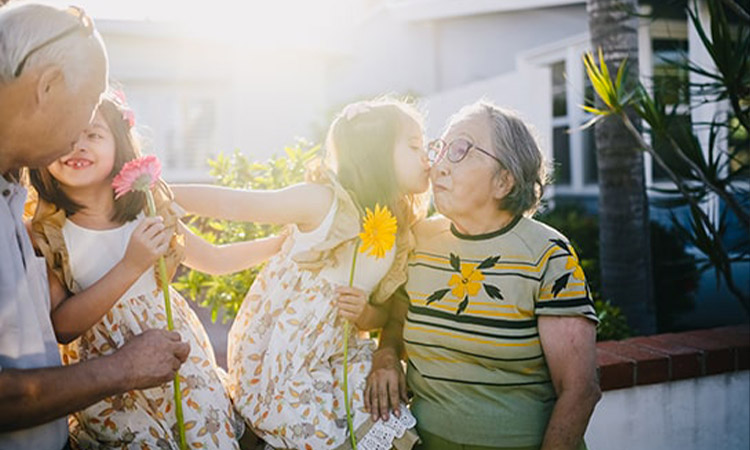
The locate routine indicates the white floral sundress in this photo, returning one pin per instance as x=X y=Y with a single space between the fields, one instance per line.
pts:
x=145 y=419
x=285 y=355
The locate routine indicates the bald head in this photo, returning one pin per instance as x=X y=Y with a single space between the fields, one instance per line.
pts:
x=53 y=69
x=38 y=35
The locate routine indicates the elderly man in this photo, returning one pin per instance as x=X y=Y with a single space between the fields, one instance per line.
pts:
x=53 y=68
x=496 y=319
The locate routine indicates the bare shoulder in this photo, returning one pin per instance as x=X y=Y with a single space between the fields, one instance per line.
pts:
x=315 y=200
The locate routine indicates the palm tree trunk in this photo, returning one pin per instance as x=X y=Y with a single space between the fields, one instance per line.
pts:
x=623 y=206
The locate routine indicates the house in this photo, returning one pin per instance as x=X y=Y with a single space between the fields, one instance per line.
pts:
x=198 y=89
x=526 y=55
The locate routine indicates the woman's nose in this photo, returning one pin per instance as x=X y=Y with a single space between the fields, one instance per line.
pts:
x=440 y=168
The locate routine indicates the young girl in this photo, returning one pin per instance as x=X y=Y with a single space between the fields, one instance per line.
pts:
x=286 y=344
x=101 y=252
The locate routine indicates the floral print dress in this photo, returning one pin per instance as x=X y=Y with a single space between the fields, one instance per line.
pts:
x=286 y=350
x=144 y=419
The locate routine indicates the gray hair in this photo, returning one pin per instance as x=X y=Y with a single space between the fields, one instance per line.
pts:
x=515 y=145
x=25 y=26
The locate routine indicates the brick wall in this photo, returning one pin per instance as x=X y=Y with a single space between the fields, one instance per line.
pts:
x=673 y=356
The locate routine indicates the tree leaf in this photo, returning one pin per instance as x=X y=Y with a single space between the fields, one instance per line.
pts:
x=462 y=306
x=488 y=263
x=437 y=295
x=493 y=291
x=456 y=262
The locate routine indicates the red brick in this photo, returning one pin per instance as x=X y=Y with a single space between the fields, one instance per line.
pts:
x=684 y=362
x=717 y=356
x=650 y=366
x=736 y=337
x=615 y=372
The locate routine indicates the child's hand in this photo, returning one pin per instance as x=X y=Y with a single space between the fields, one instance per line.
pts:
x=149 y=241
x=351 y=302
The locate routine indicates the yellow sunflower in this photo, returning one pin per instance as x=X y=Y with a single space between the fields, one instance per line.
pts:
x=379 y=231
x=468 y=282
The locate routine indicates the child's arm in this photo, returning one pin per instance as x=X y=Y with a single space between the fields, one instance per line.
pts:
x=73 y=315
x=353 y=306
x=303 y=204
x=223 y=259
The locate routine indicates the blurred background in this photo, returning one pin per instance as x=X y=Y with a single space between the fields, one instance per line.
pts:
x=210 y=78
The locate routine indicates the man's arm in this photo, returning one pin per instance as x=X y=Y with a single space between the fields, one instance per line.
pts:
x=35 y=396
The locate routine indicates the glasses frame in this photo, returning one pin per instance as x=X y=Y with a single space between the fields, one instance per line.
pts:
x=84 y=24
x=443 y=151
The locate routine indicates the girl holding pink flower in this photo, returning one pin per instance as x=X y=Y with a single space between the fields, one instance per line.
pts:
x=100 y=251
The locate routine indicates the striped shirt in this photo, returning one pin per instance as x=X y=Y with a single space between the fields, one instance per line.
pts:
x=475 y=361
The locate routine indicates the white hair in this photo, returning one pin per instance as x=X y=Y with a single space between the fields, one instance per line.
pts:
x=25 y=26
x=516 y=146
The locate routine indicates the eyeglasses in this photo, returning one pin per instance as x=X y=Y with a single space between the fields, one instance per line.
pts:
x=84 y=24
x=456 y=151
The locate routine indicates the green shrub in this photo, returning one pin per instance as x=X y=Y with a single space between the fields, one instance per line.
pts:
x=224 y=294
x=612 y=322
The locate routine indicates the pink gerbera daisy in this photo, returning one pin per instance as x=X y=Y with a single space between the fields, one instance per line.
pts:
x=139 y=174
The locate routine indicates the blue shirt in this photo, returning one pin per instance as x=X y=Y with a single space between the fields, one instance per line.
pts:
x=27 y=340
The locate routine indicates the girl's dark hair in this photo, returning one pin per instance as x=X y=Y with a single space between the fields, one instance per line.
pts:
x=360 y=145
x=127 y=148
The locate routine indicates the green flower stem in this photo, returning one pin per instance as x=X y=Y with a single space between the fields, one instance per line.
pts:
x=170 y=326
x=346 y=359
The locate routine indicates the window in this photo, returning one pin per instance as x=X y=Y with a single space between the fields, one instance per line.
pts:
x=671 y=88
x=590 y=168
x=560 y=126
x=199 y=117
x=191 y=136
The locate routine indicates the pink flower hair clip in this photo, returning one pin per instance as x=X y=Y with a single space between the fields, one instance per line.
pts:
x=352 y=110
x=127 y=114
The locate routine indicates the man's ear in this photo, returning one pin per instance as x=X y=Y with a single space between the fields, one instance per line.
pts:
x=503 y=184
x=50 y=80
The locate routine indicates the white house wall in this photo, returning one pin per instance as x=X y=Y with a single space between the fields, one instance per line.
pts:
x=261 y=100
x=527 y=92
x=385 y=56
x=480 y=47
x=388 y=54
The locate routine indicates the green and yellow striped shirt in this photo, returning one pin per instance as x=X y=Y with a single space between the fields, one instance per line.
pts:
x=475 y=362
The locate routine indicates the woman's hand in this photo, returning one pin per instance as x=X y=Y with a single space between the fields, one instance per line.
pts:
x=149 y=241
x=351 y=302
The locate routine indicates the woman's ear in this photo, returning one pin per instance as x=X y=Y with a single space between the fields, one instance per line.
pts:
x=503 y=184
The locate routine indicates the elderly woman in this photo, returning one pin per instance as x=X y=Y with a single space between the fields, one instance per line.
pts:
x=496 y=318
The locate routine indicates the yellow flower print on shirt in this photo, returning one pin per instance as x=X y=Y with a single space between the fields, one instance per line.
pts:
x=571 y=263
x=469 y=282
x=574 y=264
